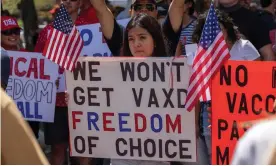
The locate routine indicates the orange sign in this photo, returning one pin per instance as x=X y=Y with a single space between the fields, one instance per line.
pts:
x=241 y=92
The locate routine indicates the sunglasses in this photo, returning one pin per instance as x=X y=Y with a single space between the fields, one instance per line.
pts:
x=139 y=7
x=10 y=32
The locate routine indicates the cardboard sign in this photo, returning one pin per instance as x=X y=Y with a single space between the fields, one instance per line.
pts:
x=241 y=92
x=94 y=45
x=131 y=108
x=32 y=85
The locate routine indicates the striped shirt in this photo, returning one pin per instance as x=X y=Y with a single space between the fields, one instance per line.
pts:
x=186 y=35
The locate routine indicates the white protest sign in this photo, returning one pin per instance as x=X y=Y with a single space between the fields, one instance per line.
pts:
x=131 y=108
x=32 y=85
x=94 y=45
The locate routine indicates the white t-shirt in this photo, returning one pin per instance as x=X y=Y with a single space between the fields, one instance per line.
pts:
x=244 y=50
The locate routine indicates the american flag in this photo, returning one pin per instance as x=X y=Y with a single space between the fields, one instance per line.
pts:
x=64 y=43
x=211 y=55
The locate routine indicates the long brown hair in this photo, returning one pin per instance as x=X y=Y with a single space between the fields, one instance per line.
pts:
x=152 y=26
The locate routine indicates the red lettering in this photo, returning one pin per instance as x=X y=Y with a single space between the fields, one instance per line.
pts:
x=105 y=121
x=33 y=68
x=42 y=73
x=11 y=65
x=173 y=125
x=144 y=122
x=16 y=69
x=74 y=119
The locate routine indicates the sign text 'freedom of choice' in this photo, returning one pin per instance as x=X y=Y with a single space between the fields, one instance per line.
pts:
x=132 y=107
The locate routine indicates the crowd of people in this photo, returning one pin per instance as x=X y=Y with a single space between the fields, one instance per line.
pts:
x=250 y=35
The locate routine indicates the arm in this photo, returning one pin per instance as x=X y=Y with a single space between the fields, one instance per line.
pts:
x=267 y=53
x=105 y=17
x=178 y=50
x=176 y=12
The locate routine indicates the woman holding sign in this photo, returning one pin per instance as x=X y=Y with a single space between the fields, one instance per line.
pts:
x=240 y=49
x=10 y=39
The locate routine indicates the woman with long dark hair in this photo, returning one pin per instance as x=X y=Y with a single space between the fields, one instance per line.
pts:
x=143 y=38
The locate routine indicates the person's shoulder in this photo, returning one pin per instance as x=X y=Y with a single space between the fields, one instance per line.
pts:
x=263 y=129
x=5 y=101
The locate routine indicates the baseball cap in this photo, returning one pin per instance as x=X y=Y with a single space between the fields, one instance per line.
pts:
x=152 y=1
x=8 y=22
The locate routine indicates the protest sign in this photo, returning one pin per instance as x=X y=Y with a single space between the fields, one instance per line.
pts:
x=241 y=92
x=131 y=108
x=32 y=85
x=94 y=45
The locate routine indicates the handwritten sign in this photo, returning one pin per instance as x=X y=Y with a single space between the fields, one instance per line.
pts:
x=32 y=85
x=242 y=91
x=133 y=107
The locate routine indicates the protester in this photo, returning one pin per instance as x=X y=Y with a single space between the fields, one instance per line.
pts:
x=113 y=33
x=18 y=144
x=5 y=68
x=240 y=49
x=188 y=26
x=251 y=26
x=268 y=16
x=10 y=38
x=143 y=38
x=57 y=133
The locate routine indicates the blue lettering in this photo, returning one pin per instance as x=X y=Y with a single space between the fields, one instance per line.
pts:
x=28 y=110
x=92 y=118
x=122 y=122
x=37 y=116
x=90 y=36
x=152 y=123
x=20 y=106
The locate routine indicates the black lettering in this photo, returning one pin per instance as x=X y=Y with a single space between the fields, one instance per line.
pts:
x=108 y=90
x=182 y=149
x=91 y=70
x=126 y=69
x=133 y=147
x=79 y=70
x=90 y=96
x=118 y=147
x=160 y=148
x=231 y=104
x=82 y=98
x=256 y=111
x=243 y=104
x=178 y=70
x=146 y=144
x=153 y=99
x=82 y=148
x=168 y=98
x=158 y=71
x=225 y=76
x=222 y=126
x=90 y=144
x=245 y=75
x=235 y=131
x=136 y=98
x=222 y=159
x=270 y=98
x=167 y=148
x=180 y=98
x=139 y=68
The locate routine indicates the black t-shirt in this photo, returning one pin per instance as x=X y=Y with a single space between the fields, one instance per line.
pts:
x=250 y=25
x=170 y=37
x=268 y=18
